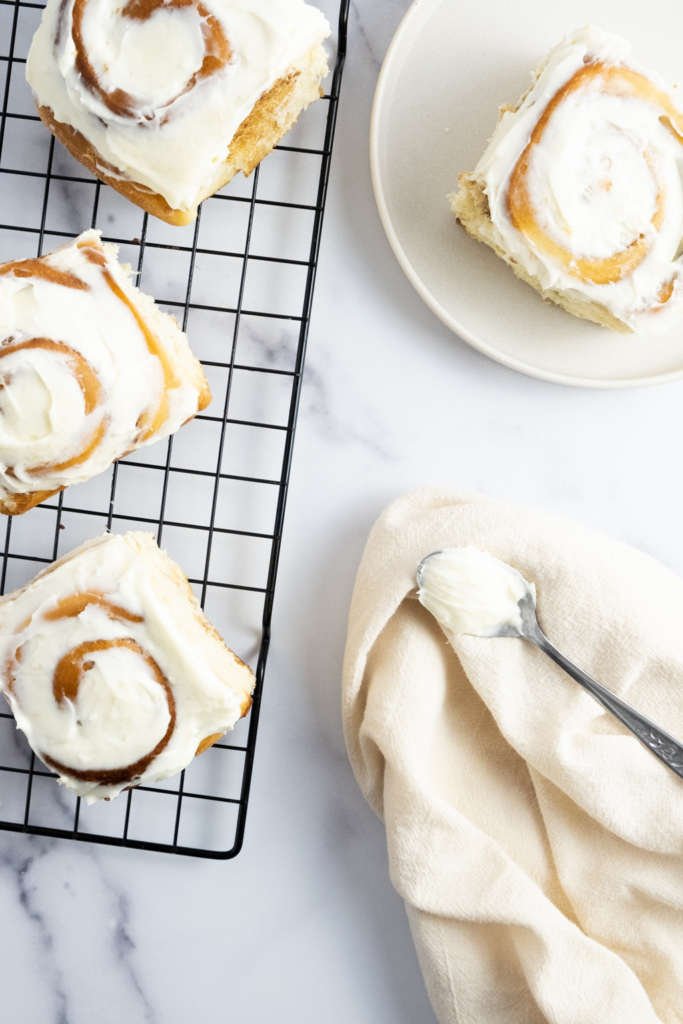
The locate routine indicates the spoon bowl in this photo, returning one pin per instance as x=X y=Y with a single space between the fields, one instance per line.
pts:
x=525 y=626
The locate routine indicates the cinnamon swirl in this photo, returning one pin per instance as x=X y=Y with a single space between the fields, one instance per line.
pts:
x=166 y=100
x=90 y=369
x=112 y=671
x=580 y=189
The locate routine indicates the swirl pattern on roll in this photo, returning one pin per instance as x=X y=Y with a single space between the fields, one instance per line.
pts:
x=112 y=671
x=214 y=55
x=156 y=92
x=89 y=370
x=584 y=182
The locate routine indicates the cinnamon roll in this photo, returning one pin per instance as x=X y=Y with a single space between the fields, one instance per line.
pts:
x=166 y=100
x=580 y=189
x=112 y=671
x=90 y=369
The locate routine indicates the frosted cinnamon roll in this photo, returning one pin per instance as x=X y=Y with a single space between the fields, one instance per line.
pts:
x=90 y=369
x=112 y=671
x=580 y=189
x=166 y=100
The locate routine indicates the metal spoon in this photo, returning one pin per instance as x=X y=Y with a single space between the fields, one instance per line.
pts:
x=659 y=742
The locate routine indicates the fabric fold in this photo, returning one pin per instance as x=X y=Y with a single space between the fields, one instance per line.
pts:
x=536 y=844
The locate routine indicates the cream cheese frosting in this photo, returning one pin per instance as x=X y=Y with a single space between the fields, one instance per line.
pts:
x=112 y=671
x=160 y=87
x=595 y=149
x=468 y=591
x=89 y=368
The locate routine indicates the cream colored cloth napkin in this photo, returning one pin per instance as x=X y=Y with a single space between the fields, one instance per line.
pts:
x=538 y=847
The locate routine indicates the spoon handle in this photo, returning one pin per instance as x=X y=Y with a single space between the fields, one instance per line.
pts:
x=659 y=742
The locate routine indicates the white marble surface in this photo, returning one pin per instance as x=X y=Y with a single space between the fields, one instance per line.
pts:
x=304 y=925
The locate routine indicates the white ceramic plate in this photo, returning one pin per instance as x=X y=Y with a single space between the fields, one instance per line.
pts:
x=450 y=65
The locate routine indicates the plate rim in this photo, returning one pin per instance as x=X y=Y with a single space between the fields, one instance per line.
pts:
x=403 y=29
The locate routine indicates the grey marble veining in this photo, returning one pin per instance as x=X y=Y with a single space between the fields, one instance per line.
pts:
x=329 y=409
x=374 y=25
x=304 y=926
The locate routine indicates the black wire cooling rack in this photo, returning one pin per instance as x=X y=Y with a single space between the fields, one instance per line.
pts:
x=241 y=280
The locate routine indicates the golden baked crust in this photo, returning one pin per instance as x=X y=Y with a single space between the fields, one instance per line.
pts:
x=19 y=503
x=204 y=399
x=271 y=118
x=471 y=209
x=173 y=576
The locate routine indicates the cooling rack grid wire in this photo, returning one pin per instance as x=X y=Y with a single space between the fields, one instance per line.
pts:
x=241 y=282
